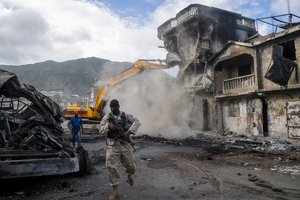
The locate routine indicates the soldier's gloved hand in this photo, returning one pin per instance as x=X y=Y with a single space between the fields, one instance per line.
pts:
x=112 y=127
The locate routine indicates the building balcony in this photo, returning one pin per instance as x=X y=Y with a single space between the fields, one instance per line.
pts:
x=239 y=84
x=184 y=16
x=201 y=13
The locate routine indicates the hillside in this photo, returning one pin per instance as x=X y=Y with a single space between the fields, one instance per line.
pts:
x=73 y=76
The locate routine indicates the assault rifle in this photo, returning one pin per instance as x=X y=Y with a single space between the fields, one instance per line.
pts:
x=121 y=132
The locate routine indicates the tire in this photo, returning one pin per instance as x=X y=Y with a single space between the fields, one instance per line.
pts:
x=84 y=166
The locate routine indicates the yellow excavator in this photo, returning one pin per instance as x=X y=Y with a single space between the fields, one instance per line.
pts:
x=93 y=114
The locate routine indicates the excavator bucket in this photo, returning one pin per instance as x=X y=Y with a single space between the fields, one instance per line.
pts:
x=172 y=59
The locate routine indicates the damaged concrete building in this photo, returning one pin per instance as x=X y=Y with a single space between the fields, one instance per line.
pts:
x=239 y=82
x=195 y=34
x=258 y=88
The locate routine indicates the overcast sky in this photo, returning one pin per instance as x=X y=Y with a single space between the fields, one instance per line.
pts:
x=119 y=30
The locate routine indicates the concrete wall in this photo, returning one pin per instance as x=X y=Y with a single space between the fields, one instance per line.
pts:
x=277 y=116
x=203 y=114
x=247 y=118
x=266 y=62
x=293 y=119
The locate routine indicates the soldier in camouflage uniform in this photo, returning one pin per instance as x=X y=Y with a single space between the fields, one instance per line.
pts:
x=118 y=126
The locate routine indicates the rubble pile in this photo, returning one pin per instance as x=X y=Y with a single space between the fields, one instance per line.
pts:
x=261 y=145
x=201 y=140
x=220 y=144
x=28 y=119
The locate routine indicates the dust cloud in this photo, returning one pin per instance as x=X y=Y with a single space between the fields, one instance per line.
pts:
x=156 y=99
x=110 y=69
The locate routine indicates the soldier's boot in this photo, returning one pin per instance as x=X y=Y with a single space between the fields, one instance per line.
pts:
x=130 y=179
x=114 y=195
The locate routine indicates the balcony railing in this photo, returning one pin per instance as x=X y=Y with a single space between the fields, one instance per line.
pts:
x=245 y=22
x=238 y=84
x=185 y=15
x=188 y=14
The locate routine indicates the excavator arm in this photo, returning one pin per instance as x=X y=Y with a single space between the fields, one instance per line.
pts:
x=137 y=67
x=92 y=114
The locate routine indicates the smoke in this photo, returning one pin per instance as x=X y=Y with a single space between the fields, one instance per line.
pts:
x=157 y=101
x=109 y=69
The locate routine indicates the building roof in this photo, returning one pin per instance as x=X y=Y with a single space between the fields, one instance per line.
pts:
x=229 y=44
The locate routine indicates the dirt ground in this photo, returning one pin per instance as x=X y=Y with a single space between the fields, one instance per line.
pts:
x=173 y=170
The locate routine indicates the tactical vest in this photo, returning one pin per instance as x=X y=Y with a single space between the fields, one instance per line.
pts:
x=123 y=123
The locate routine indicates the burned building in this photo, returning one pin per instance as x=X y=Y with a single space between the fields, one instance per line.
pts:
x=258 y=88
x=239 y=82
x=195 y=34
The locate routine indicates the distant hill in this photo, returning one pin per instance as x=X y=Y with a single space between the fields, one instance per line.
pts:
x=73 y=76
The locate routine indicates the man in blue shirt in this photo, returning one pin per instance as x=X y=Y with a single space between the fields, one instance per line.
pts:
x=76 y=124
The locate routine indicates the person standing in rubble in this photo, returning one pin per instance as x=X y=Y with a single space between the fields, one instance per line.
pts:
x=118 y=126
x=76 y=124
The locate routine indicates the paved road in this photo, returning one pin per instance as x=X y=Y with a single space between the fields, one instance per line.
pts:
x=168 y=171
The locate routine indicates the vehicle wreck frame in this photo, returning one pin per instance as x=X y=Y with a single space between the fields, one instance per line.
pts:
x=31 y=137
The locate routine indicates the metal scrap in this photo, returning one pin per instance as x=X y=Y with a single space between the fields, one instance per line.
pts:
x=29 y=119
x=31 y=135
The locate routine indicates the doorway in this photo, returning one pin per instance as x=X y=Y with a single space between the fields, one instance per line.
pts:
x=265 y=117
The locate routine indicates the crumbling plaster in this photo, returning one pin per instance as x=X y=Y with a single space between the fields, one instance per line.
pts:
x=277 y=118
x=247 y=120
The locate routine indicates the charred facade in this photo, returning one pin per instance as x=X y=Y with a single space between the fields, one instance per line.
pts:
x=258 y=88
x=197 y=32
x=239 y=82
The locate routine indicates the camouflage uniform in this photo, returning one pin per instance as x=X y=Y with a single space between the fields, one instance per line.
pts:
x=119 y=151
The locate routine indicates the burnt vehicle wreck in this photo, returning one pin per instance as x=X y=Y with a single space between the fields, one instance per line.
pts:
x=31 y=136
